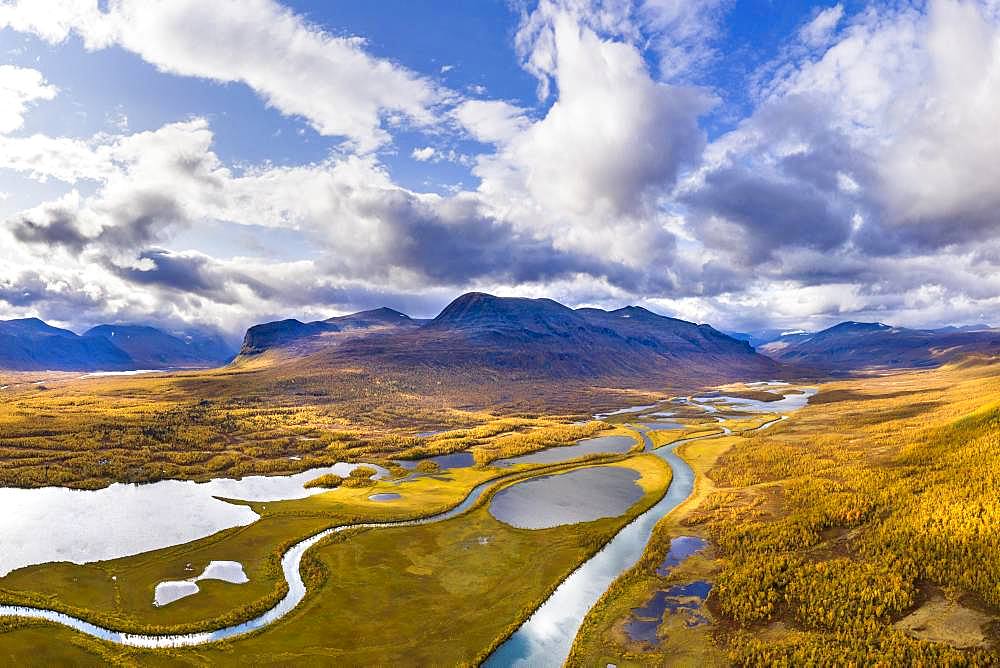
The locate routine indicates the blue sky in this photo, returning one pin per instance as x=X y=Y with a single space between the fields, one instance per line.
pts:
x=743 y=162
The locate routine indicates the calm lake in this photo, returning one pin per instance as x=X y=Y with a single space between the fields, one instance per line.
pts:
x=583 y=495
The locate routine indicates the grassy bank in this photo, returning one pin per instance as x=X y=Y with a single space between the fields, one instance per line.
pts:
x=399 y=590
x=860 y=532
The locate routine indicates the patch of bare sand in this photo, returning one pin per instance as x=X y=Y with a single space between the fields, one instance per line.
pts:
x=944 y=621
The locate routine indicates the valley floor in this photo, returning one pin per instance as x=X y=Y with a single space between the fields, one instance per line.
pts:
x=862 y=529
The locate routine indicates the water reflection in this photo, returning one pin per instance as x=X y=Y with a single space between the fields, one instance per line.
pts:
x=789 y=402
x=681 y=548
x=226 y=571
x=385 y=496
x=564 y=453
x=546 y=637
x=663 y=426
x=683 y=600
x=80 y=526
x=455 y=460
x=583 y=495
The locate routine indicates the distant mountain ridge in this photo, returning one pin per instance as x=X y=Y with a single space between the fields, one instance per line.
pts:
x=516 y=335
x=291 y=332
x=151 y=348
x=32 y=345
x=864 y=345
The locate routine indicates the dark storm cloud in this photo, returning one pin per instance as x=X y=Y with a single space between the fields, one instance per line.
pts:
x=54 y=226
x=805 y=184
x=24 y=290
x=59 y=300
x=753 y=215
x=127 y=224
x=452 y=243
x=191 y=273
x=139 y=220
x=892 y=237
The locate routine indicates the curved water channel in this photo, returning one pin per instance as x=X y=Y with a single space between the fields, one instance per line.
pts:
x=544 y=639
x=290 y=566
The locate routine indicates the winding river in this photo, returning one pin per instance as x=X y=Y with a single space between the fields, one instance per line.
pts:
x=290 y=566
x=544 y=639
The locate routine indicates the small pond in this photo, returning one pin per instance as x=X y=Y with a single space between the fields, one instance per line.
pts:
x=384 y=496
x=624 y=411
x=226 y=571
x=455 y=460
x=789 y=403
x=681 y=548
x=582 y=495
x=683 y=600
x=663 y=426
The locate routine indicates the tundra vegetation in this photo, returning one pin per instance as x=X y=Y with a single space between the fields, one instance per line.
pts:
x=829 y=532
x=861 y=530
x=59 y=429
x=398 y=588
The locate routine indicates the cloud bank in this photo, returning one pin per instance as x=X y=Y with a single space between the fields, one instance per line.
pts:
x=861 y=182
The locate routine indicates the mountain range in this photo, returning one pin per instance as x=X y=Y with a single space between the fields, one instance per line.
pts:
x=516 y=337
x=867 y=345
x=32 y=345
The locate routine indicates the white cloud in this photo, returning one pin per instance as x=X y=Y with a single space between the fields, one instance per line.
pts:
x=590 y=172
x=818 y=32
x=150 y=185
x=943 y=161
x=914 y=94
x=295 y=66
x=423 y=154
x=491 y=121
x=19 y=87
x=42 y=157
x=683 y=34
x=863 y=185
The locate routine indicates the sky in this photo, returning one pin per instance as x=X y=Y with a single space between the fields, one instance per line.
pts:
x=747 y=163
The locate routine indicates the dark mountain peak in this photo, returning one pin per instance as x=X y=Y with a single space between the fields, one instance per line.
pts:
x=528 y=337
x=387 y=313
x=33 y=326
x=637 y=312
x=29 y=322
x=478 y=309
x=853 y=326
x=861 y=345
x=304 y=336
x=152 y=348
x=260 y=338
x=30 y=344
x=121 y=329
x=383 y=315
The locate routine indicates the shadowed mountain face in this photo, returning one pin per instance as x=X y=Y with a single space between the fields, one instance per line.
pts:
x=865 y=345
x=32 y=345
x=303 y=337
x=525 y=337
x=150 y=348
